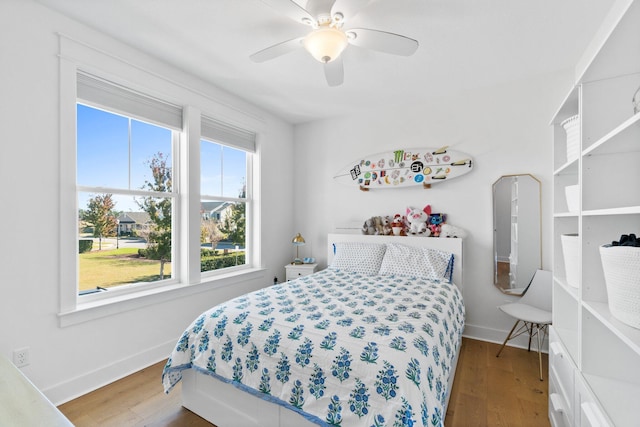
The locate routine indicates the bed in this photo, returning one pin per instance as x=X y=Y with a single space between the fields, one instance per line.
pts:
x=372 y=340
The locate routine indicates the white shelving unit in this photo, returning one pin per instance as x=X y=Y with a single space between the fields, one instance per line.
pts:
x=595 y=359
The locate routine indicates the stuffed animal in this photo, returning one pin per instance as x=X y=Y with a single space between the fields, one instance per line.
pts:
x=448 y=230
x=368 y=227
x=386 y=226
x=398 y=225
x=377 y=223
x=417 y=220
x=436 y=220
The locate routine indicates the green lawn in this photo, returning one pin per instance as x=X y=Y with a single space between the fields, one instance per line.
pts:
x=114 y=267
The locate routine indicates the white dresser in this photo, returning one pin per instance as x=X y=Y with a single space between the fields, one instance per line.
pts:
x=298 y=270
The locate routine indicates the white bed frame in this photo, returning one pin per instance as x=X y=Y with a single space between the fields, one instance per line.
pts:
x=227 y=406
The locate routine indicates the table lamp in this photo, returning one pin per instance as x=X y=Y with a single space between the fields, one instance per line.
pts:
x=297 y=242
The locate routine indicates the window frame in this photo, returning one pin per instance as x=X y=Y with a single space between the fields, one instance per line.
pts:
x=107 y=96
x=247 y=200
x=187 y=279
x=135 y=287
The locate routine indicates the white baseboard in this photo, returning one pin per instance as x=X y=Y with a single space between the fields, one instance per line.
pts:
x=92 y=380
x=497 y=336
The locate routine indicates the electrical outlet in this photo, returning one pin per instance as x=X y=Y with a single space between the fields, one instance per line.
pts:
x=21 y=357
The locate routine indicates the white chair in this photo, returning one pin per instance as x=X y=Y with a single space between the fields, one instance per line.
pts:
x=533 y=310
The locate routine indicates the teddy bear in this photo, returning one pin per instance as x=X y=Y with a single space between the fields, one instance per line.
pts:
x=398 y=225
x=417 y=220
x=386 y=226
x=377 y=224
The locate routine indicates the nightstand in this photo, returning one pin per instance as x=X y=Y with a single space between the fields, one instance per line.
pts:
x=298 y=270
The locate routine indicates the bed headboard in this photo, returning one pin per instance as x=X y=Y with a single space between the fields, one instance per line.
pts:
x=451 y=245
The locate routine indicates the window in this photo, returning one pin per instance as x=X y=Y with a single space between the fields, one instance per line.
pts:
x=126 y=200
x=225 y=204
x=130 y=160
x=128 y=192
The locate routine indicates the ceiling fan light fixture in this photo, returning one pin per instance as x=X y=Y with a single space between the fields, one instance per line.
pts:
x=326 y=43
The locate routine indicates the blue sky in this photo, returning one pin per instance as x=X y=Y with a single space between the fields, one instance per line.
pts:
x=108 y=158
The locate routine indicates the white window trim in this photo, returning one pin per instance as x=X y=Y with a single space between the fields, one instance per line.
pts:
x=154 y=295
x=248 y=202
x=188 y=279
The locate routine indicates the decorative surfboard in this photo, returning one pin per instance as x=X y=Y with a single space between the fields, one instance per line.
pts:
x=405 y=167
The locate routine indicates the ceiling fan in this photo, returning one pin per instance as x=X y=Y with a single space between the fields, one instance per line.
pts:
x=328 y=37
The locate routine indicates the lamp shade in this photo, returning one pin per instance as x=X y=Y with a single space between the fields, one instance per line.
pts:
x=298 y=240
x=326 y=43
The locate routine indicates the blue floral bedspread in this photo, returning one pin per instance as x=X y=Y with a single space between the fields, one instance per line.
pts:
x=339 y=348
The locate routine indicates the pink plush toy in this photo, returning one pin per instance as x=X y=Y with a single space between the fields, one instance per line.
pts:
x=417 y=220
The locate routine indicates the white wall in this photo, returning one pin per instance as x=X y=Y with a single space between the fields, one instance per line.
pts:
x=69 y=361
x=505 y=129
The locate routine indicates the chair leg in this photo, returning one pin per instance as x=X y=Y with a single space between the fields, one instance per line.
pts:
x=539 y=349
x=530 y=328
x=508 y=337
x=542 y=329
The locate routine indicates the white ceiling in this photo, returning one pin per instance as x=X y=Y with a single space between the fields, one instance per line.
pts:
x=464 y=44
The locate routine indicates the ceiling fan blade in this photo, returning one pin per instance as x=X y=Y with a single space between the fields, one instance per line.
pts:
x=382 y=41
x=334 y=72
x=348 y=8
x=277 y=50
x=292 y=10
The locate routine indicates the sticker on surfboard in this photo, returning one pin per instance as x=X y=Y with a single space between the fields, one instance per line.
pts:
x=405 y=167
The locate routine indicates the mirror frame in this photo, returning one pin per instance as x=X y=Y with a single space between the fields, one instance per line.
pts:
x=519 y=290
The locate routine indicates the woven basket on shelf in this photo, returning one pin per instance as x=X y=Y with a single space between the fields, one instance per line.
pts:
x=621 y=266
x=572 y=128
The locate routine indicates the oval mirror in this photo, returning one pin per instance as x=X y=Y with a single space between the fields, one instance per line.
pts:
x=517 y=250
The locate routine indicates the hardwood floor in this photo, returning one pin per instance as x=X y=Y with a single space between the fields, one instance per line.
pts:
x=504 y=391
x=487 y=391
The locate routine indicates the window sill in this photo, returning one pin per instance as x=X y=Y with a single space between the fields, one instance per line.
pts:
x=118 y=304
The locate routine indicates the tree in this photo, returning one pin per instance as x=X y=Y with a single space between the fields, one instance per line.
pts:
x=234 y=224
x=209 y=232
x=101 y=215
x=159 y=210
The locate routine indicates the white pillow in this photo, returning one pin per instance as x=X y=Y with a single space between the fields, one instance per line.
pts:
x=364 y=258
x=422 y=262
